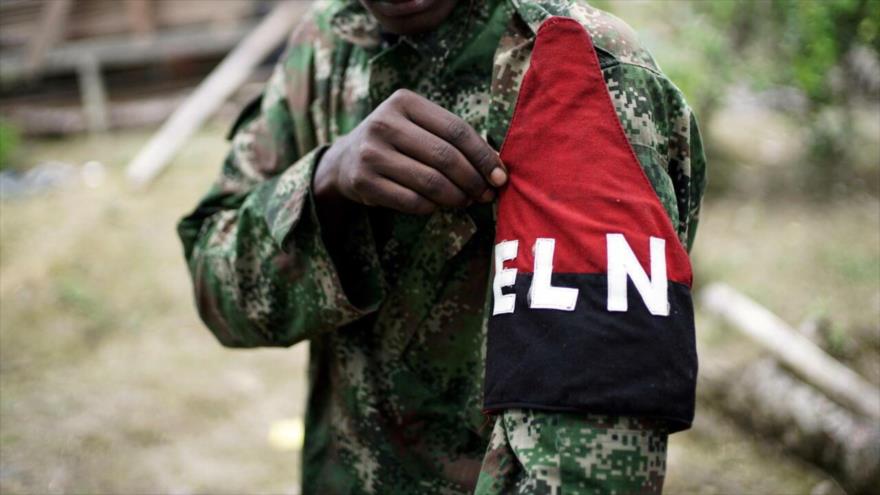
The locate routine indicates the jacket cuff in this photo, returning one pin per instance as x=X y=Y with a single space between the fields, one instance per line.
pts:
x=353 y=278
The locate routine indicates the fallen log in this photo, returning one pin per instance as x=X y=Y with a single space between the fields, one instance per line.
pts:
x=792 y=349
x=764 y=398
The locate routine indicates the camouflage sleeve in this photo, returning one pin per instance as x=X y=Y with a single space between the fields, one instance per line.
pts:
x=538 y=452
x=262 y=274
x=686 y=161
x=663 y=132
x=695 y=181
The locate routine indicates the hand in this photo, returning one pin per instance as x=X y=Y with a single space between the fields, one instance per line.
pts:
x=413 y=156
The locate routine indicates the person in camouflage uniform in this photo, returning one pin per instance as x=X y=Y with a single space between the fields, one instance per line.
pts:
x=394 y=304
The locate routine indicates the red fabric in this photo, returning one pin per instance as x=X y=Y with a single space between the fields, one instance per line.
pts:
x=573 y=174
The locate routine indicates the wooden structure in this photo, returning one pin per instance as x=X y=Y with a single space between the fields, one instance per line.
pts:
x=212 y=92
x=47 y=38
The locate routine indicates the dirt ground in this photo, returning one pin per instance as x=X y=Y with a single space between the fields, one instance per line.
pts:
x=111 y=385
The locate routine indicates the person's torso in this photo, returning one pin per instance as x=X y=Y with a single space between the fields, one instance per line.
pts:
x=395 y=397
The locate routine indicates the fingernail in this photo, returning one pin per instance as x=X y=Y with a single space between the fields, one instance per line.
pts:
x=498 y=177
x=487 y=196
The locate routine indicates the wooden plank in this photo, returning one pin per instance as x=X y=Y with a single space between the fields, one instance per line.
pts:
x=90 y=19
x=204 y=13
x=50 y=30
x=18 y=20
x=54 y=120
x=94 y=95
x=792 y=349
x=98 y=18
x=212 y=92
x=128 y=52
x=141 y=18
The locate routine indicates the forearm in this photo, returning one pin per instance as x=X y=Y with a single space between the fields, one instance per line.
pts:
x=261 y=270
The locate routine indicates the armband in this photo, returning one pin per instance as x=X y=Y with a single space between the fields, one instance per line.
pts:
x=591 y=308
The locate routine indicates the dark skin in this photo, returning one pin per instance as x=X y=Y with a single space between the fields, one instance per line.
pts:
x=409 y=16
x=409 y=154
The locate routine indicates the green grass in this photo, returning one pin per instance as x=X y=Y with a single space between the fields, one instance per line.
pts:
x=109 y=382
x=804 y=261
x=9 y=143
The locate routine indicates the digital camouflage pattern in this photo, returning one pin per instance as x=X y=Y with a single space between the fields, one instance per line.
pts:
x=541 y=452
x=395 y=312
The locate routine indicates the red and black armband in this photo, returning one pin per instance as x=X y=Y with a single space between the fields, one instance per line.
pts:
x=591 y=306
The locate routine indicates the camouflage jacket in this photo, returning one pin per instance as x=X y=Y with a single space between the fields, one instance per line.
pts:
x=394 y=312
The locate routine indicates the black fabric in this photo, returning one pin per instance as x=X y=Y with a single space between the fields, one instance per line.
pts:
x=592 y=360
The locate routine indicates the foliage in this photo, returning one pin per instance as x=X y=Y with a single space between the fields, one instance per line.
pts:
x=816 y=63
x=807 y=45
x=9 y=143
x=800 y=41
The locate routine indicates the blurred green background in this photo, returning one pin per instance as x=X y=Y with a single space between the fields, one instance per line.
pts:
x=111 y=385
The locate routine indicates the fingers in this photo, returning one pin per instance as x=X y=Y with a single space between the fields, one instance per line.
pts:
x=389 y=194
x=455 y=131
x=413 y=156
x=430 y=150
x=427 y=181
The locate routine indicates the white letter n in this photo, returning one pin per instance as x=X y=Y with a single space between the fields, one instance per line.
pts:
x=622 y=262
